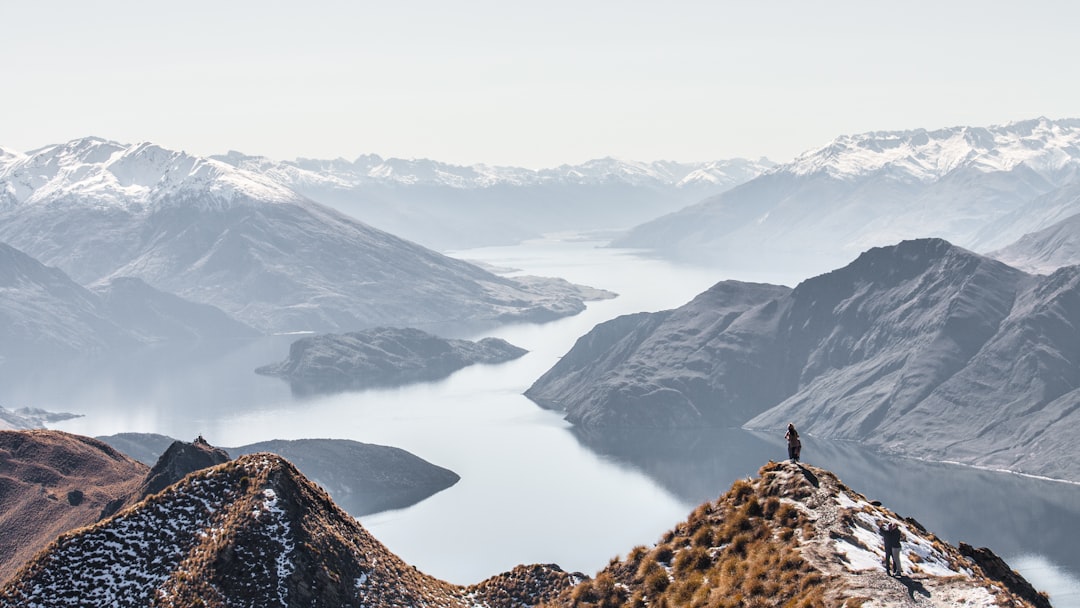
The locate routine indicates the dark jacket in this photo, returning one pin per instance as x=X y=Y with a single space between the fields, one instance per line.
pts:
x=892 y=537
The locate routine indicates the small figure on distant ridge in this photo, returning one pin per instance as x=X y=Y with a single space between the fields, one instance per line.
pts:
x=891 y=536
x=794 y=445
x=200 y=441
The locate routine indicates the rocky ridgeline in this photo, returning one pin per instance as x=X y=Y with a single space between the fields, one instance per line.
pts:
x=797 y=536
x=255 y=532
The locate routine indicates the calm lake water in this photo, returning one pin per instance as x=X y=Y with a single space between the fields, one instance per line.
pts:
x=534 y=489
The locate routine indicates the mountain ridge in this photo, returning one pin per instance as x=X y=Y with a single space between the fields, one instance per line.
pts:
x=861 y=191
x=269 y=257
x=921 y=349
x=254 y=531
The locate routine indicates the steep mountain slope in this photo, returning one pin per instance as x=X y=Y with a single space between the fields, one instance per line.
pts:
x=922 y=349
x=876 y=188
x=214 y=234
x=452 y=207
x=797 y=536
x=52 y=482
x=44 y=313
x=664 y=369
x=251 y=532
x=381 y=356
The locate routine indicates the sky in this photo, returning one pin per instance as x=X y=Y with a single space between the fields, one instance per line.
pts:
x=532 y=84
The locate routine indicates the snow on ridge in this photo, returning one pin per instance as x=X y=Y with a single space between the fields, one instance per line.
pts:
x=369 y=169
x=94 y=171
x=1042 y=144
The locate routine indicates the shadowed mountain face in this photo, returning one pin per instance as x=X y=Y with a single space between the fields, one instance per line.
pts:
x=52 y=482
x=641 y=370
x=922 y=348
x=214 y=234
x=382 y=356
x=45 y=313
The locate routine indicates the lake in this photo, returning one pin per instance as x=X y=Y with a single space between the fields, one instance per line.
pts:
x=533 y=488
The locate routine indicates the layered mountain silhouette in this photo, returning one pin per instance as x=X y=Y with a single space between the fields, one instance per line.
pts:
x=453 y=207
x=976 y=187
x=1046 y=250
x=923 y=349
x=43 y=312
x=273 y=259
x=381 y=356
x=255 y=532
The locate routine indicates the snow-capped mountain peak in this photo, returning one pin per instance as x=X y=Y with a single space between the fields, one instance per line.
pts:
x=96 y=171
x=1046 y=146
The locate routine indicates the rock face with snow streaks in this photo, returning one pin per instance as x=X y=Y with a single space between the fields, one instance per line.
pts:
x=922 y=349
x=211 y=233
x=382 y=356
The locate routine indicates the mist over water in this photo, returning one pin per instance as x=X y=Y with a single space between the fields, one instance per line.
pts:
x=533 y=488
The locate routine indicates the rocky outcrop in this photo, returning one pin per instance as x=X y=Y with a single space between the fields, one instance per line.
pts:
x=180 y=459
x=383 y=356
x=996 y=568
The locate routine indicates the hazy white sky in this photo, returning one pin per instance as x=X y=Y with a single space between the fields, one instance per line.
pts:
x=534 y=84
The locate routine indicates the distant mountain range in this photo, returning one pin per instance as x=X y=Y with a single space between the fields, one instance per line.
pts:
x=453 y=207
x=922 y=349
x=214 y=234
x=980 y=188
x=256 y=532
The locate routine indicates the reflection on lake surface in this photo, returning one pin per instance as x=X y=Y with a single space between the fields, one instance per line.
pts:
x=534 y=489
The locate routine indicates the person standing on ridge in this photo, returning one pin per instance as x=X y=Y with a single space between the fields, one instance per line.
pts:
x=891 y=536
x=794 y=446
